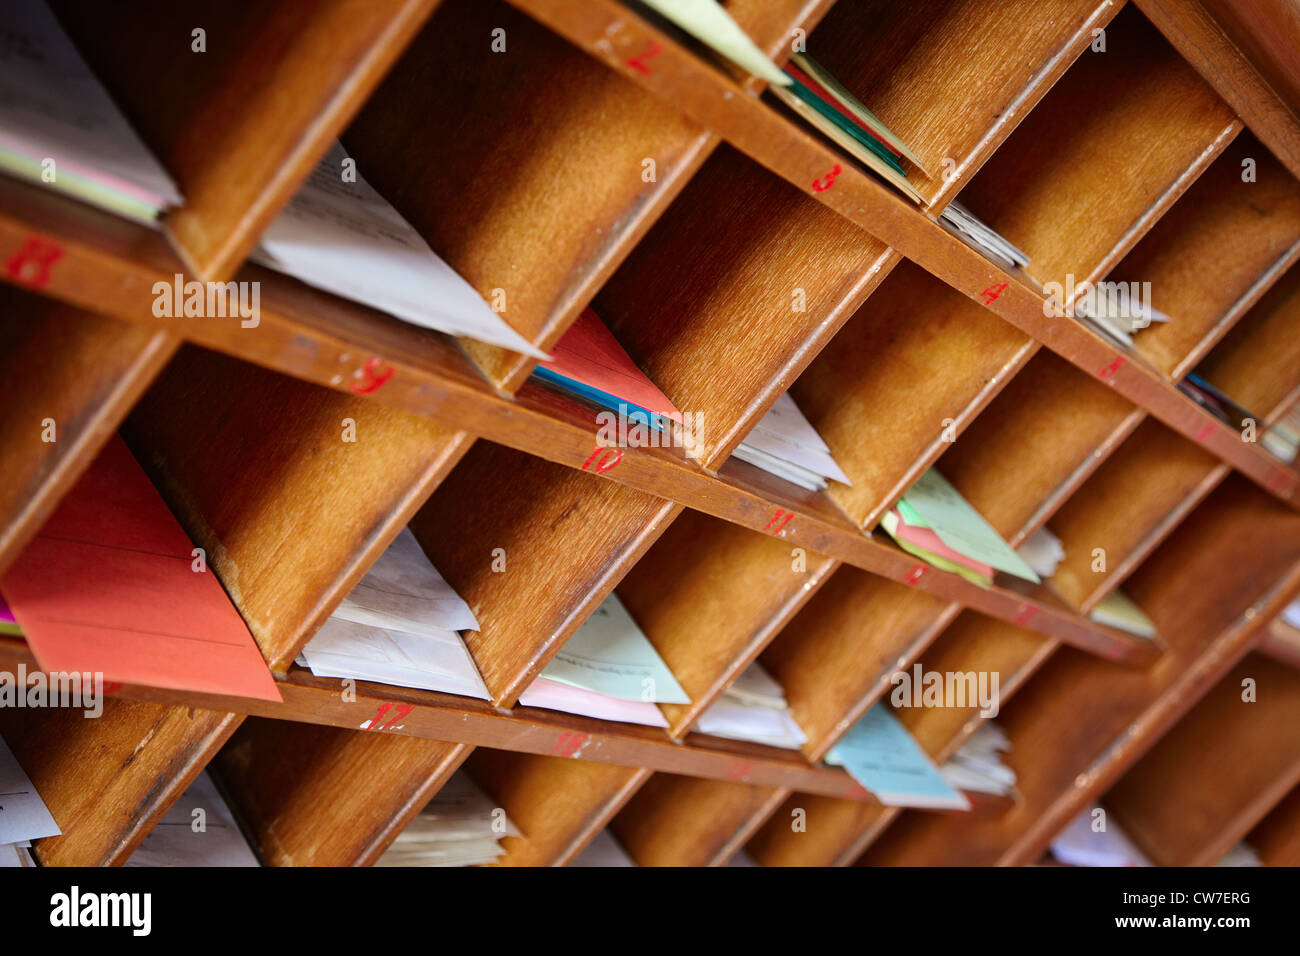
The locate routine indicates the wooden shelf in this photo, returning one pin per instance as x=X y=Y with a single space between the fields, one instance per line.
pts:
x=606 y=160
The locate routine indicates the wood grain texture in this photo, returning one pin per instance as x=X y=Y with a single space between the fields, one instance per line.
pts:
x=79 y=370
x=1064 y=187
x=710 y=596
x=108 y=779
x=256 y=468
x=560 y=805
x=1214 y=253
x=277 y=84
x=863 y=394
x=1277 y=838
x=323 y=796
x=1201 y=789
x=1076 y=728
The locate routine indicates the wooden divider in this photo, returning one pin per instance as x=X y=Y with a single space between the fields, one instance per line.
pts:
x=72 y=376
x=1075 y=728
x=108 y=778
x=241 y=123
x=1277 y=838
x=1225 y=765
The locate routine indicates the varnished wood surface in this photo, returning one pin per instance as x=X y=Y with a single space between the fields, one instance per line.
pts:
x=1277 y=838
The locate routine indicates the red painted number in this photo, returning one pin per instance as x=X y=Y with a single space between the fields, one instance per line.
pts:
x=857 y=791
x=827 y=181
x=780 y=518
x=31 y=264
x=992 y=292
x=652 y=50
x=914 y=576
x=602 y=459
x=399 y=711
x=1110 y=370
x=371 y=377
x=1204 y=434
x=570 y=744
x=1026 y=615
x=739 y=770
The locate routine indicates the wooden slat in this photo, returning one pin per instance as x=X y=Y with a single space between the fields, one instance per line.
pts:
x=80 y=370
x=108 y=779
x=277 y=84
x=1277 y=838
x=1214 y=776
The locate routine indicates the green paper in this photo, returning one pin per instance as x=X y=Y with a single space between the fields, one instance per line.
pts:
x=961 y=527
x=709 y=23
x=835 y=116
x=890 y=524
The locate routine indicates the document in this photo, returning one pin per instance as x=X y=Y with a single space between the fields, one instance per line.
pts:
x=15 y=855
x=753 y=708
x=604 y=850
x=880 y=754
x=941 y=507
x=919 y=540
x=977 y=766
x=1042 y=551
x=404 y=591
x=610 y=656
x=199 y=830
x=23 y=814
x=986 y=239
x=589 y=362
x=1081 y=844
x=460 y=826
x=1119 y=611
x=108 y=584
x=785 y=444
x=52 y=107
x=344 y=237
x=710 y=24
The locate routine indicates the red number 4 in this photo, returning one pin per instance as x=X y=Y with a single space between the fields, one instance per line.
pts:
x=992 y=292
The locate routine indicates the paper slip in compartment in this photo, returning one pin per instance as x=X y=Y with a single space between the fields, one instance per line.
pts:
x=431 y=660
x=107 y=585
x=753 y=708
x=925 y=544
x=346 y=239
x=52 y=107
x=709 y=23
x=1121 y=612
x=174 y=841
x=977 y=766
x=1042 y=551
x=460 y=826
x=756 y=687
x=588 y=361
x=609 y=655
x=15 y=855
x=961 y=527
x=785 y=444
x=604 y=850
x=403 y=590
x=554 y=695
x=1079 y=844
x=23 y=814
x=882 y=756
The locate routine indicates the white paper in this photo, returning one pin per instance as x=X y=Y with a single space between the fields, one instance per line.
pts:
x=15 y=855
x=609 y=655
x=404 y=591
x=433 y=660
x=345 y=238
x=460 y=826
x=761 y=725
x=977 y=765
x=1292 y=614
x=755 y=686
x=1241 y=855
x=1042 y=551
x=176 y=842
x=786 y=435
x=51 y=105
x=23 y=814
x=553 y=695
x=1080 y=845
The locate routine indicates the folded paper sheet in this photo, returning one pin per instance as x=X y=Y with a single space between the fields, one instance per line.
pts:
x=460 y=826
x=1081 y=843
x=882 y=756
x=345 y=238
x=109 y=585
x=785 y=444
x=753 y=708
x=23 y=814
x=53 y=108
x=199 y=830
x=709 y=23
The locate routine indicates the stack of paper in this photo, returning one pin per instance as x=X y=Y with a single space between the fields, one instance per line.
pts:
x=1042 y=551
x=589 y=362
x=805 y=86
x=978 y=764
x=983 y=237
x=935 y=523
x=880 y=754
x=199 y=830
x=1116 y=314
x=741 y=858
x=1118 y=610
x=784 y=444
x=59 y=128
x=753 y=708
x=604 y=850
x=1095 y=839
x=461 y=826
x=1292 y=614
x=23 y=815
x=399 y=626
x=1243 y=854
x=1282 y=438
x=345 y=238
x=608 y=670
x=111 y=584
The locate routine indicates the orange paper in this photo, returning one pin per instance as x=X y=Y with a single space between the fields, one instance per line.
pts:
x=108 y=586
